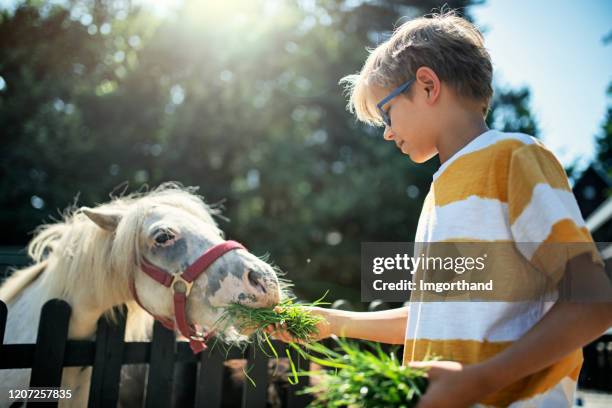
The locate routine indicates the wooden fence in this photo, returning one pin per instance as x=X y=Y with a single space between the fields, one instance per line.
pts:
x=176 y=377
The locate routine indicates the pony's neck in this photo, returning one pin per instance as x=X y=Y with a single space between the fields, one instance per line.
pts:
x=87 y=306
x=83 y=323
x=85 y=314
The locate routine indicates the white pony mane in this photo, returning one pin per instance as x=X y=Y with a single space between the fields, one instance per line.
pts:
x=78 y=252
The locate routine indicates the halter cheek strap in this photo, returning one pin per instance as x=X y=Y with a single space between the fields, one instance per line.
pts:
x=181 y=288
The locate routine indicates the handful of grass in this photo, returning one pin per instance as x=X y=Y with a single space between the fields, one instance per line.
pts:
x=361 y=378
x=300 y=323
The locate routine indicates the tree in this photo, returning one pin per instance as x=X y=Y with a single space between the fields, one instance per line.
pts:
x=243 y=102
x=603 y=142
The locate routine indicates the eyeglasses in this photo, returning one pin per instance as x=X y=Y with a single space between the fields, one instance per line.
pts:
x=385 y=113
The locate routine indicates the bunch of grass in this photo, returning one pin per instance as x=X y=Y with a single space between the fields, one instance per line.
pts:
x=361 y=377
x=299 y=322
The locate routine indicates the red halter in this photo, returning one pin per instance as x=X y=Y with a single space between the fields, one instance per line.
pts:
x=181 y=287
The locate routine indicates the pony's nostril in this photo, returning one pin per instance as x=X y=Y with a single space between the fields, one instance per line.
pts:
x=255 y=280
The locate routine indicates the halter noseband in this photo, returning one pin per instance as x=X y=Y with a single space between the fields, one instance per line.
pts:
x=181 y=287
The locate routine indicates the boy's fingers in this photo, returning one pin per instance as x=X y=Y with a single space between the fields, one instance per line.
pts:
x=278 y=332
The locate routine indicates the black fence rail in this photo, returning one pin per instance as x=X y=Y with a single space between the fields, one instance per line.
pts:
x=175 y=376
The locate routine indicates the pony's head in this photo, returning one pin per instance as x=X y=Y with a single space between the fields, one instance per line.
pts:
x=170 y=228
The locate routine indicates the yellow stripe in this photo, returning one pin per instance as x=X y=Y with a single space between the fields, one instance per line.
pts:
x=565 y=241
x=463 y=351
x=567 y=231
x=532 y=165
x=472 y=351
x=483 y=173
x=506 y=167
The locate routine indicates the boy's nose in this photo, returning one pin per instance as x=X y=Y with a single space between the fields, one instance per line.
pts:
x=388 y=133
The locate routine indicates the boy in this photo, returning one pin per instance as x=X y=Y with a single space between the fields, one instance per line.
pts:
x=430 y=85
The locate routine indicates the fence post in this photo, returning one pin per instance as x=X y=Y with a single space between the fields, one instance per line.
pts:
x=184 y=382
x=377 y=305
x=3 y=314
x=209 y=389
x=257 y=369
x=50 y=347
x=106 y=372
x=340 y=304
x=161 y=368
x=293 y=399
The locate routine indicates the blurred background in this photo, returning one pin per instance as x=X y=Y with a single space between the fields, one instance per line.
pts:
x=241 y=98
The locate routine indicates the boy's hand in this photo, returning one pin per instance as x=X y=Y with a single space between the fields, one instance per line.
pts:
x=452 y=385
x=279 y=332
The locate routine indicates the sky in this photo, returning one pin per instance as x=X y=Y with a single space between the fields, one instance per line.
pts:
x=556 y=49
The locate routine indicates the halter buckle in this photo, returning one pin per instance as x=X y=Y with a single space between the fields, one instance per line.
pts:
x=180 y=285
x=198 y=337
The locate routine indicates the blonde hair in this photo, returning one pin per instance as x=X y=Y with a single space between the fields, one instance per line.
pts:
x=76 y=252
x=448 y=44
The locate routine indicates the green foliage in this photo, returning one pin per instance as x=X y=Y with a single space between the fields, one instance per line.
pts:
x=361 y=377
x=510 y=112
x=300 y=323
x=603 y=142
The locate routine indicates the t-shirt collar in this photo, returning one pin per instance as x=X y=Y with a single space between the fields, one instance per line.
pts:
x=473 y=145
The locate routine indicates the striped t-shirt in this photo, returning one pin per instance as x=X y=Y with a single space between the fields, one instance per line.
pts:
x=503 y=187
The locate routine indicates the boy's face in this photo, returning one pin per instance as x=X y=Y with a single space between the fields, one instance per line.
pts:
x=411 y=121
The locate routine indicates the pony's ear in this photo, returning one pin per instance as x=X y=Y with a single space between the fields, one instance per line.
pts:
x=105 y=219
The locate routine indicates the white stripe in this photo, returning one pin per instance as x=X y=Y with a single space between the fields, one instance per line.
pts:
x=548 y=206
x=474 y=218
x=483 y=141
x=479 y=321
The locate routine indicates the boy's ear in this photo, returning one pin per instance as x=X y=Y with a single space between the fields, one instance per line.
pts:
x=428 y=81
x=105 y=219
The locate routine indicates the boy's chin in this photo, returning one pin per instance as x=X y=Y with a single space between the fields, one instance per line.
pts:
x=419 y=158
x=416 y=158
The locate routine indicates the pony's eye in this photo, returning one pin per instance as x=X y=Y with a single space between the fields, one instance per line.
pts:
x=163 y=237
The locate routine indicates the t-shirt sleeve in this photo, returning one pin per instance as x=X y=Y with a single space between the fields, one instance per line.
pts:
x=544 y=217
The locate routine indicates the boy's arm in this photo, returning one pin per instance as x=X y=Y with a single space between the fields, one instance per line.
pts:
x=385 y=326
x=566 y=327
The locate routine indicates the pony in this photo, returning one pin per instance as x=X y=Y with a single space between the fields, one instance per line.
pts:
x=93 y=259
